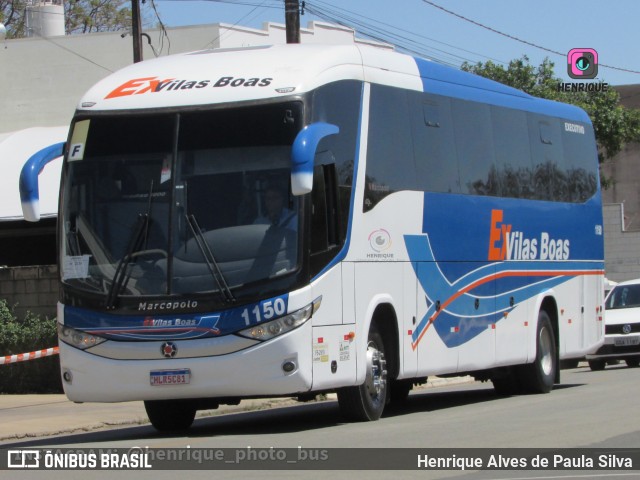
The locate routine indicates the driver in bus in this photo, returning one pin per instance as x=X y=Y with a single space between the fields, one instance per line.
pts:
x=276 y=213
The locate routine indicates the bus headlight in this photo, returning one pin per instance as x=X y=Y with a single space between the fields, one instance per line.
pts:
x=75 y=338
x=268 y=330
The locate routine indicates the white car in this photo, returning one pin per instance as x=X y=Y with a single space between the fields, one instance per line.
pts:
x=622 y=327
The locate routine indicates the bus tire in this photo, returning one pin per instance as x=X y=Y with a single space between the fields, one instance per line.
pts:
x=366 y=402
x=539 y=376
x=170 y=415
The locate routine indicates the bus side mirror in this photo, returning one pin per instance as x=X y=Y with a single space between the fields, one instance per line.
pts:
x=303 y=153
x=29 y=192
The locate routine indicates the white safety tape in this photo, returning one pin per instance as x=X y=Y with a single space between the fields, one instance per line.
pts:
x=23 y=357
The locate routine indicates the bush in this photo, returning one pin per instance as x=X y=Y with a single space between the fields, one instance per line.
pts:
x=27 y=335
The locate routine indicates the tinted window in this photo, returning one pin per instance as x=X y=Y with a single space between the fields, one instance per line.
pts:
x=474 y=144
x=580 y=158
x=512 y=152
x=339 y=104
x=549 y=180
x=469 y=147
x=434 y=145
x=128 y=134
x=390 y=165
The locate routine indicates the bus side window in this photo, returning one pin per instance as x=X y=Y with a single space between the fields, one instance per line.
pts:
x=473 y=132
x=512 y=151
x=390 y=162
x=549 y=180
x=325 y=227
x=433 y=144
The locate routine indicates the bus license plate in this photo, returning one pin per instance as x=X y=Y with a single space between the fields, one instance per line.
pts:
x=626 y=342
x=161 y=378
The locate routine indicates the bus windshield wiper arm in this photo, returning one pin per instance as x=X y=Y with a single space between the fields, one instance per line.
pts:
x=210 y=260
x=120 y=278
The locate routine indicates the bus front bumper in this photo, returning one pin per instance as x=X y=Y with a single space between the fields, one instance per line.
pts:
x=277 y=367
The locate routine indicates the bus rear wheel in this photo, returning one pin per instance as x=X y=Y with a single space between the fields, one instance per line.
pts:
x=539 y=376
x=366 y=402
x=170 y=415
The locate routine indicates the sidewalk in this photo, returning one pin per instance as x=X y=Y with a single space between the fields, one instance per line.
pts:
x=33 y=416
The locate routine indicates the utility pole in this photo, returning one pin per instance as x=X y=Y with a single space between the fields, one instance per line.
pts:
x=292 y=20
x=136 y=31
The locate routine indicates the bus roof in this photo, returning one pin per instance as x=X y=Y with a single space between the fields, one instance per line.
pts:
x=257 y=73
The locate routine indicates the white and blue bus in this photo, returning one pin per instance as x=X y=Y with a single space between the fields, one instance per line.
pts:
x=294 y=220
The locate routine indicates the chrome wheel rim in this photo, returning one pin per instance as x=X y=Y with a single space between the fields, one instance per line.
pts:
x=376 y=380
x=546 y=352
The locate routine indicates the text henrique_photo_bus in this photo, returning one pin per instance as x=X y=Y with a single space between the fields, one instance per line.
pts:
x=303 y=219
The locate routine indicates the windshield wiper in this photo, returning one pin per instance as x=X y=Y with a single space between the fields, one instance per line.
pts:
x=139 y=237
x=120 y=278
x=210 y=260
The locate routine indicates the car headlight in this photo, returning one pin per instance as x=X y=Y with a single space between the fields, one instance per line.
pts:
x=78 y=339
x=268 y=330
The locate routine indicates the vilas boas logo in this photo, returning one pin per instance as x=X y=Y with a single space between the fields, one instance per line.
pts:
x=139 y=86
x=506 y=243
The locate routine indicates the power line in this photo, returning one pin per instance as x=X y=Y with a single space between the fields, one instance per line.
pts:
x=373 y=32
x=256 y=7
x=407 y=41
x=163 y=32
x=74 y=53
x=481 y=25
x=418 y=35
x=276 y=3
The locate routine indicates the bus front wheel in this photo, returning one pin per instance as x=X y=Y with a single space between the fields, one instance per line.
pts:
x=170 y=415
x=366 y=402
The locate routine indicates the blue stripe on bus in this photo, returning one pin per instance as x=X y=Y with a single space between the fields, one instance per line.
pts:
x=179 y=326
x=451 y=301
x=464 y=261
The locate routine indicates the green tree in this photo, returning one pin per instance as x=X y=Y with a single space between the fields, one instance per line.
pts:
x=22 y=335
x=81 y=16
x=87 y=16
x=614 y=124
x=12 y=16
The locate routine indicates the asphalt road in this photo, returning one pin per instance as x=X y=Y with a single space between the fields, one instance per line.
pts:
x=588 y=410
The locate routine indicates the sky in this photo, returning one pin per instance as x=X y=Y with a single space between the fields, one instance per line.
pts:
x=550 y=28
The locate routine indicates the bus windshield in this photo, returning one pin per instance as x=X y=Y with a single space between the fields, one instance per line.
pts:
x=196 y=202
